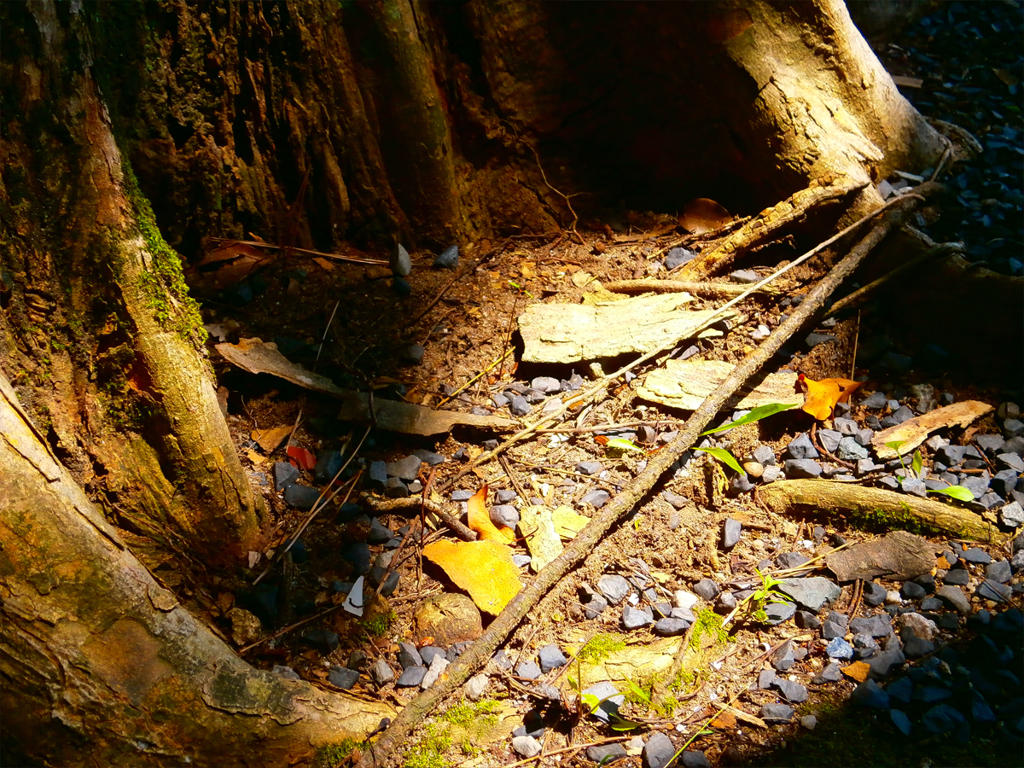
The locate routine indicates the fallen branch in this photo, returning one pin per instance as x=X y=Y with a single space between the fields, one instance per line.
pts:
x=861 y=295
x=680 y=286
x=767 y=224
x=624 y=503
x=786 y=495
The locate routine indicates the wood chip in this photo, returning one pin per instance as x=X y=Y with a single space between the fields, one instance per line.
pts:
x=569 y=333
x=915 y=431
x=898 y=556
x=684 y=384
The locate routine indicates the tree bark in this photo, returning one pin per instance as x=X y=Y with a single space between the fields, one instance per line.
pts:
x=101 y=666
x=100 y=335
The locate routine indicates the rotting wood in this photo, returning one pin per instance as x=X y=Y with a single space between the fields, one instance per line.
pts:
x=912 y=432
x=377 y=755
x=878 y=503
x=684 y=384
x=683 y=286
x=898 y=556
x=767 y=224
x=569 y=333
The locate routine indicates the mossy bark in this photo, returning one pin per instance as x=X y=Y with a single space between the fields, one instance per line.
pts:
x=99 y=333
x=102 y=666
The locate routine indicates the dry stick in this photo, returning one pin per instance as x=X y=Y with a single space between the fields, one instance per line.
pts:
x=625 y=502
x=413 y=504
x=859 y=296
x=604 y=381
x=679 y=286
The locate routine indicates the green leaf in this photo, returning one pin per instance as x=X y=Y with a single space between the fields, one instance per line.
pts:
x=917 y=463
x=761 y=412
x=591 y=701
x=723 y=456
x=958 y=492
x=895 y=445
x=622 y=444
x=639 y=692
x=618 y=723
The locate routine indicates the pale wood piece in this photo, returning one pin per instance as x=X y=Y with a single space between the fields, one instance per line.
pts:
x=684 y=384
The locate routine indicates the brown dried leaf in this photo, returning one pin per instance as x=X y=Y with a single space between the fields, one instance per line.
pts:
x=703 y=215
x=270 y=439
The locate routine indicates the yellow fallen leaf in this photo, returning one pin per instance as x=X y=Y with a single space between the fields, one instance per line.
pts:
x=542 y=540
x=567 y=522
x=255 y=458
x=270 y=439
x=483 y=568
x=480 y=520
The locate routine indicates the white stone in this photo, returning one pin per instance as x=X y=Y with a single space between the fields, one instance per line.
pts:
x=683 y=599
x=893 y=597
x=476 y=687
x=526 y=746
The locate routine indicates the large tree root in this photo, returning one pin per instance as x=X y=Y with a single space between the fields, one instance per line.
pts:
x=625 y=502
x=766 y=225
x=877 y=504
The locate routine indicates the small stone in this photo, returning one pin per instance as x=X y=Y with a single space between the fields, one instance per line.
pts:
x=670 y=627
x=608 y=696
x=504 y=515
x=874 y=594
x=406 y=468
x=411 y=677
x=476 y=687
x=811 y=593
x=830 y=439
x=994 y=591
x=764 y=455
x=526 y=746
x=437 y=666
x=528 y=670
x=448 y=258
x=596 y=498
x=901 y=721
x=878 y=625
x=726 y=603
x=546 y=384
x=1012 y=515
x=809 y=722
x=801 y=447
x=802 y=468
x=912 y=591
x=429 y=653
x=955 y=598
x=613 y=587
x=838 y=648
x=776 y=713
x=1013 y=428
x=284 y=475
x=634 y=618
x=851 y=450
x=551 y=658
x=793 y=692
x=342 y=677
x=814 y=339
x=395 y=488
x=999 y=571
x=677 y=257
x=830 y=674
x=707 y=589
x=731 y=533
x=807 y=620
x=693 y=759
x=941 y=719
x=658 y=751
x=606 y=754
x=401 y=263
x=870 y=694
x=301 y=496
x=783 y=658
x=381 y=672
x=779 y=612
x=518 y=406
x=958 y=577
x=412 y=354
x=409 y=656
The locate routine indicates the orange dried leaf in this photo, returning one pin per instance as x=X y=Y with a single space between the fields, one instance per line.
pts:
x=822 y=396
x=483 y=568
x=480 y=520
x=857 y=671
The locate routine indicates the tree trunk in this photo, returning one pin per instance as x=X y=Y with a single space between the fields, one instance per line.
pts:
x=313 y=123
x=99 y=334
x=101 y=666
